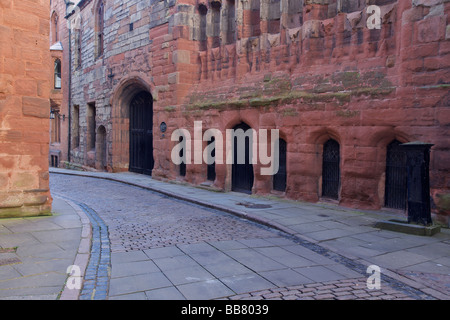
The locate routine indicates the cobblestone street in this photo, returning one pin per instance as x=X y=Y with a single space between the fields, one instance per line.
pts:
x=138 y=219
x=164 y=248
x=223 y=151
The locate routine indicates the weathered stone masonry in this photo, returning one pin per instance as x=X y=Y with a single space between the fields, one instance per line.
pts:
x=311 y=69
x=25 y=74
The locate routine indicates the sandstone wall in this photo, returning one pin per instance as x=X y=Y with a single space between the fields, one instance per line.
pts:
x=312 y=69
x=329 y=76
x=25 y=74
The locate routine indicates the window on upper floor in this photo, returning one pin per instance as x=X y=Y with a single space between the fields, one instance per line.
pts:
x=215 y=23
x=202 y=10
x=99 y=26
x=57 y=74
x=54 y=28
x=78 y=42
x=230 y=21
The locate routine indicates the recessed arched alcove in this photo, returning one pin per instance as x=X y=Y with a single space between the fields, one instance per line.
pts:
x=124 y=102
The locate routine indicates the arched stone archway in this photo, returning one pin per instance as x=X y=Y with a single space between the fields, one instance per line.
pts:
x=135 y=89
x=101 y=149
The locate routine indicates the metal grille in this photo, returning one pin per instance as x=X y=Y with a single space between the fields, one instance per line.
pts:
x=242 y=174
x=183 y=157
x=141 y=134
x=396 y=177
x=279 y=179
x=331 y=170
x=211 y=170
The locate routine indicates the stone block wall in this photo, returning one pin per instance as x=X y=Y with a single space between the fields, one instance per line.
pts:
x=25 y=74
x=311 y=68
x=326 y=75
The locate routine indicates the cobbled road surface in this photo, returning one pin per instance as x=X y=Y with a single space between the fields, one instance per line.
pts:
x=246 y=260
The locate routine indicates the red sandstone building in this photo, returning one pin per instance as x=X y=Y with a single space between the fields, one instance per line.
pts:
x=24 y=108
x=59 y=117
x=342 y=92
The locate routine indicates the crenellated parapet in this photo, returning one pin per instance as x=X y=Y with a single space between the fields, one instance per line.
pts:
x=309 y=31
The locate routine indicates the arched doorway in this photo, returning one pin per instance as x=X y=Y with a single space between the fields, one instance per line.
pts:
x=242 y=169
x=100 y=149
x=141 y=133
x=331 y=169
x=396 y=177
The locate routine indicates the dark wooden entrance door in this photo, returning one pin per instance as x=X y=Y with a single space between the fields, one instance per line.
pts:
x=242 y=173
x=141 y=133
x=331 y=169
x=396 y=177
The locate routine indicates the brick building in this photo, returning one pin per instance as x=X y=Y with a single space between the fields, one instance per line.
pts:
x=24 y=108
x=342 y=92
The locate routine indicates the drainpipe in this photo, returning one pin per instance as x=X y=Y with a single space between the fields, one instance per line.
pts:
x=69 y=130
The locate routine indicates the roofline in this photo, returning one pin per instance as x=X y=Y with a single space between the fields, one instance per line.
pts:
x=81 y=4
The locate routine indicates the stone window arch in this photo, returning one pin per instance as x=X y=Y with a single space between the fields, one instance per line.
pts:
x=215 y=22
x=202 y=37
x=54 y=28
x=78 y=45
x=99 y=28
x=230 y=22
x=77 y=41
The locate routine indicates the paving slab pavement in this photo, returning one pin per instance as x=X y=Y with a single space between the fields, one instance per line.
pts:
x=348 y=232
x=335 y=242
x=36 y=252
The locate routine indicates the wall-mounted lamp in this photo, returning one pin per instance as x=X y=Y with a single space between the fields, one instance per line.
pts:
x=54 y=114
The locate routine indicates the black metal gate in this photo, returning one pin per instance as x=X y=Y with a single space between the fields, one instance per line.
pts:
x=182 y=156
x=242 y=174
x=331 y=169
x=396 y=177
x=211 y=170
x=141 y=133
x=279 y=179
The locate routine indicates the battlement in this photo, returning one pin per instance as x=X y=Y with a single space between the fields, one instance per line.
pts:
x=235 y=38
